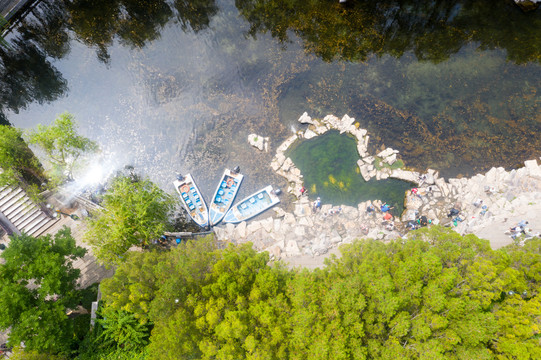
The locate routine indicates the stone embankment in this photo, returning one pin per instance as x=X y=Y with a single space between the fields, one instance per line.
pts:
x=488 y=204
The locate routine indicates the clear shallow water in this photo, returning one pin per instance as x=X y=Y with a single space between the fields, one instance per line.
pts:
x=329 y=166
x=169 y=85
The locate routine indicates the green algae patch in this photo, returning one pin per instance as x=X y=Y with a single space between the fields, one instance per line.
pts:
x=329 y=165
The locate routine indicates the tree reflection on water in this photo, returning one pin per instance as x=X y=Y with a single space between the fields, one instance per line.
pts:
x=432 y=30
x=403 y=68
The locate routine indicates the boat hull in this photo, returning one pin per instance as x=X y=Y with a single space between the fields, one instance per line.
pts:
x=223 y=197
x=193 y=201
x=251 y=206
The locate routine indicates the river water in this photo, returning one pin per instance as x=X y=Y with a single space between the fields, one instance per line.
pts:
x=178 y=85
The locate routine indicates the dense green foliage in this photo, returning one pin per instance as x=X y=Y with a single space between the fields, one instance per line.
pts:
x=19 y=165
x=135 y=212
x=436 y=295
x=37 y=286
x=62 y=146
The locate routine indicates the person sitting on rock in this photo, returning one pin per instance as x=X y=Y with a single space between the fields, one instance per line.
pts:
x=370 y=209
x=385 y=207
x=303 y=190
x=477 y=202
x=387 y=216
x=412 y=225
x=335 y=211
x=522 y=224
x=364 y=229
x=453 y=212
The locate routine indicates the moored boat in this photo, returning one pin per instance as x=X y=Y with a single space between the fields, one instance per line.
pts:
x=225 y=194
x=251 y=206
x=192 y=199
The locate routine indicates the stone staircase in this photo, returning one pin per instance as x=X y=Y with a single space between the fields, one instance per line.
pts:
x=22 y=213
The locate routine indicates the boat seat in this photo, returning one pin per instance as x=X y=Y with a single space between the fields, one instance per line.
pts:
x=243 y=206
x=252 y=200
x=191 y=206
x=218 y=199
x=220 y=192
x=260 y=196
x=224 y=184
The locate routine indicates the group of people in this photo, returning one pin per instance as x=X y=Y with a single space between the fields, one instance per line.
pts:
x=520 y=229
x=387 y=216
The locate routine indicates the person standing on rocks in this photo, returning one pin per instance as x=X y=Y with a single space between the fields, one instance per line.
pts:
x=370 y=209
x=317 y=204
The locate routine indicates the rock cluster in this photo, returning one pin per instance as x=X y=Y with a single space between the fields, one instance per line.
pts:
x=259 y=142
x=308 y=232
x=377 y=165
x=480 y=200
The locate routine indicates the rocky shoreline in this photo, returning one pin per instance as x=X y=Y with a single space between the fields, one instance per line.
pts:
x=486 y=202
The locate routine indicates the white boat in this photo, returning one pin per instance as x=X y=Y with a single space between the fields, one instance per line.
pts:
x=225 y=194
x=192 y=199
x=251 y=206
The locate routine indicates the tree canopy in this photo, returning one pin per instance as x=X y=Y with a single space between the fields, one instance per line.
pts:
x=135 y=212
x=37 y=286
x=18 y=163
x=62 y=145
x=434 y=295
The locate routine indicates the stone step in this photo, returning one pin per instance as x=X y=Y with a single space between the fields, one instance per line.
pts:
x=45 y=227
x=17 y=208
x=5 y=190
x=27 y=219
x=18 y=216
x=12 y=202
x=36 y=225
x=8 y=196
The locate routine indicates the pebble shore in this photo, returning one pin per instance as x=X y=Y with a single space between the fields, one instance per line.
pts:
x=489 y=203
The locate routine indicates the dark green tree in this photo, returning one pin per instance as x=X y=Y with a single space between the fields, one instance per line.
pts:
x=20 y=167
x=37 y=286
x=26 y=75
x=122 y=331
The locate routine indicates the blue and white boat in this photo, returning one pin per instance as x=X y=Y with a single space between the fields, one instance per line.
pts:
x=225 y=194
x=192 y=200
x=251 y=206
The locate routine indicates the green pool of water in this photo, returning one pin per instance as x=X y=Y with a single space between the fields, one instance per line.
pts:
x=329 y=166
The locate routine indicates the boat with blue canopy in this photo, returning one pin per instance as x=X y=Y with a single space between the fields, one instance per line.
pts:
x=191 y=198
x=251 y=206
x=225 y=194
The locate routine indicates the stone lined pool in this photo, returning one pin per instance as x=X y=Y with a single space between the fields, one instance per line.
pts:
x=329 y=165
